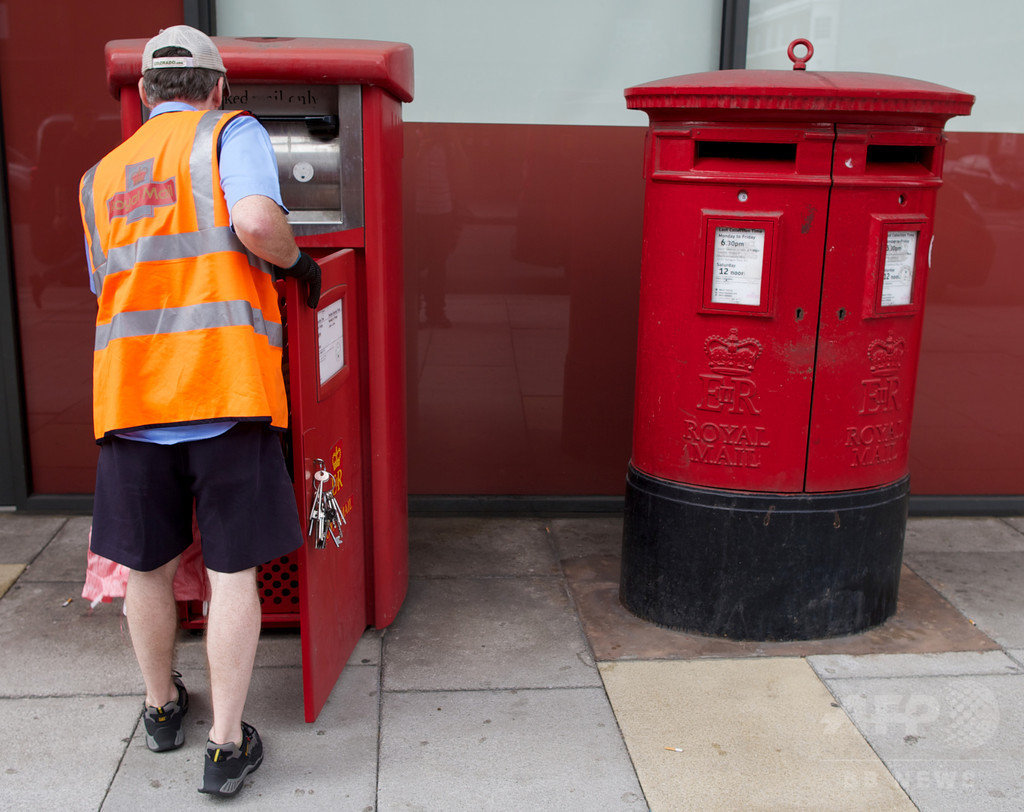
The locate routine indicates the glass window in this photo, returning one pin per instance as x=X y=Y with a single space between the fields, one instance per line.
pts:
x=530 y=62
x=968 y=46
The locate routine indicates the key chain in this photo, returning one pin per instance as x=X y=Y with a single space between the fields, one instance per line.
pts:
x=325 y=514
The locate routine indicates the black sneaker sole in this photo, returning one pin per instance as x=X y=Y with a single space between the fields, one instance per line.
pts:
x=160 y=743
x=214 y=784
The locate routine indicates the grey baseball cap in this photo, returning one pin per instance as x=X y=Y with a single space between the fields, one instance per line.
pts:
x=204 y=53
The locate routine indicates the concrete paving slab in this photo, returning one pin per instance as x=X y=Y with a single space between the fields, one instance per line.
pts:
x=752 y=734
x=450 y=547
x=41 y=767
x=963 y=663
x=545 y=750
x=23 y=536
x=954 y=743
x=924 y=621
x=597 y=535
x=985 y=587
x=9 y=573
x=277 y=647
x=369 y=648
x=64 y=558
x=63 y=650
x=965 y=535
x=477 y=633
x=1016 y=522
x=330 y=764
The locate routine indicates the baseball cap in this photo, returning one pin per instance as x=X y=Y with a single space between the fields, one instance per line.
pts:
x=203 y=52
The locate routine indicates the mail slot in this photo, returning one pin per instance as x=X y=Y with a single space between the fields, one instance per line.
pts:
x=333 y=109
x=787 y=239
x=319 y=150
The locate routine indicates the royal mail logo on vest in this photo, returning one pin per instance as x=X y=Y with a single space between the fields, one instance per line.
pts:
x=142 y=194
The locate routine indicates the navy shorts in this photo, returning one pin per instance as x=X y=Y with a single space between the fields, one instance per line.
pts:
x=244 y=502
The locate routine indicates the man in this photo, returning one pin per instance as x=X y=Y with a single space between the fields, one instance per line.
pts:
x=185 y=234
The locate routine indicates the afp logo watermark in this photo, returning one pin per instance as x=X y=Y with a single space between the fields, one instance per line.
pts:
x=962 y=717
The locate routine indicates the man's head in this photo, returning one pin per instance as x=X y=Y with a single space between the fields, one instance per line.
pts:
x=181 y=64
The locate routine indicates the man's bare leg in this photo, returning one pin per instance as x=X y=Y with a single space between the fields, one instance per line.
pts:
x=232 y=634
x=153 y=623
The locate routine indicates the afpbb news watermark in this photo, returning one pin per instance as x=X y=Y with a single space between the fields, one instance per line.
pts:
x=912 y=778
x=957 y=720
x=941 y=736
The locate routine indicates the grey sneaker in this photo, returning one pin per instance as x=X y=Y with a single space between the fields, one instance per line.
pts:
x=164 y=730
x=227 y=765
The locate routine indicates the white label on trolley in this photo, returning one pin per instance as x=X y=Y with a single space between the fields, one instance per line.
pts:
x=330 y=340
x=898 y=278
x=738 y=266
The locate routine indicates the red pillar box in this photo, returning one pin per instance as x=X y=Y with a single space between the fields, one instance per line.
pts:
x=333 y=109
x=787 y=235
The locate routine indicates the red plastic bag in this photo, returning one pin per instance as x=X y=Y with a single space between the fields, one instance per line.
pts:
x=106 y=579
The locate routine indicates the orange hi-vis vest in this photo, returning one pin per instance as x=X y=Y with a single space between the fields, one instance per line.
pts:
x=188 y=328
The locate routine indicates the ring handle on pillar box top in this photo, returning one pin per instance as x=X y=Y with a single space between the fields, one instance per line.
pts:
x=798 y=62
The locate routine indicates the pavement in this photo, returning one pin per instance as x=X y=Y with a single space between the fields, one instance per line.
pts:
x=513 y=680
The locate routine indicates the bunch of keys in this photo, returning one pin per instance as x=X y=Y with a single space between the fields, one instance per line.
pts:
x=325 y=514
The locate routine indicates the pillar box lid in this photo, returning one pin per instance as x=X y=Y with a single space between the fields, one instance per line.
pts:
x=287 y=60
x=798 y=95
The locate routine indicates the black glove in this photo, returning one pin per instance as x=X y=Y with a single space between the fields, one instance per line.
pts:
x=305 y=270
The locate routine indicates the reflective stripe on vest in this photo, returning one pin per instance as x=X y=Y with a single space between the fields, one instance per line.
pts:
x=96 y=256
x=161 y=247
x=201 y=170
x=135 y=323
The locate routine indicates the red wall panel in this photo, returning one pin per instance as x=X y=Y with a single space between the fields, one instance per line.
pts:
x=967 y=436
x=59 y=119
x=527 y=240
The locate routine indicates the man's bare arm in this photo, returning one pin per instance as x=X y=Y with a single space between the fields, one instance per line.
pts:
x=263 y=229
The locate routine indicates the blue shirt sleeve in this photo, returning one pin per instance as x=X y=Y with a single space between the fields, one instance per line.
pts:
x=248 y=165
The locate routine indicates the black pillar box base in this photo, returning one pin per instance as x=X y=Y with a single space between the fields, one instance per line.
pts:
x=757 y=566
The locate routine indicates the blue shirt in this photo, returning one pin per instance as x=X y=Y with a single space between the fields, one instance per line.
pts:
x=248 y=166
